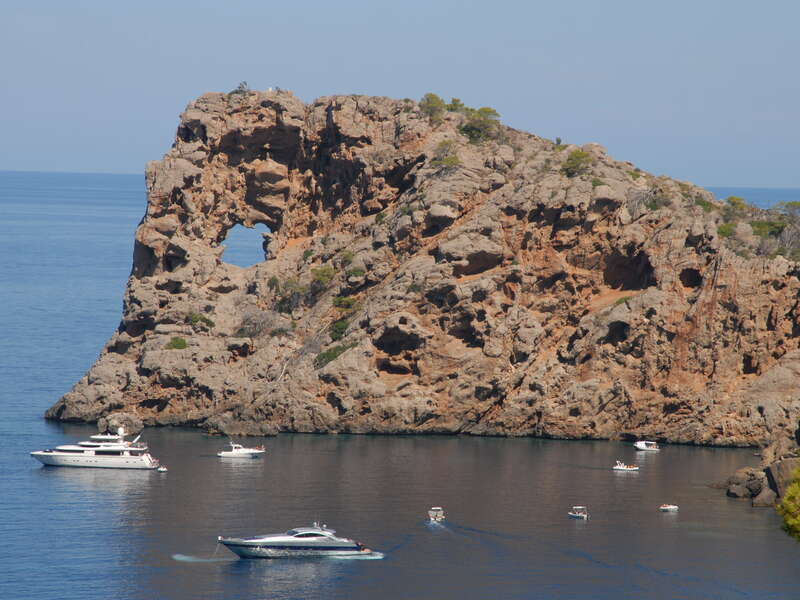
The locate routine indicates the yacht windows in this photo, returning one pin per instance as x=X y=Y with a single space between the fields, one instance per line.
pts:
x=108 y=452
x=308 y=535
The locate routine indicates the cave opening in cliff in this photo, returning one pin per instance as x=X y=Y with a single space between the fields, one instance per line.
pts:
x=628 y=271
x=691 y=278
x=244 y=246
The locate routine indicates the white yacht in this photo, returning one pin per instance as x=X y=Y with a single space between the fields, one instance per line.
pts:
x=646 y=445
x=109 y=451
x=436 y=514
x=668 y=508
x=316 y=540
x=239 y=451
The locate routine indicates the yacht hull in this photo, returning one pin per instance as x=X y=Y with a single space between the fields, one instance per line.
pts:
x=246 y=550
x=54 y=459
x=229 y=454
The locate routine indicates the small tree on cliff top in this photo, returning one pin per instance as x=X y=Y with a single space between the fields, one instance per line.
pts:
x=433 y=106
x=482 y=124
x=578 y=162
x=789 y=508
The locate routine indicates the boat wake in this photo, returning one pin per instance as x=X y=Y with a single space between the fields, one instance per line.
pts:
x=197 y=559
x=365 y=556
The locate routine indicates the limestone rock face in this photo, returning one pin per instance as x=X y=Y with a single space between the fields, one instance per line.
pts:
x=494 y=297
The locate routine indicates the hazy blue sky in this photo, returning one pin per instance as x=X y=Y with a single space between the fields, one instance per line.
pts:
x=706 y=91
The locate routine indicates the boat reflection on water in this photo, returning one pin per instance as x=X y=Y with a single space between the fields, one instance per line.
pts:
x=118 y=482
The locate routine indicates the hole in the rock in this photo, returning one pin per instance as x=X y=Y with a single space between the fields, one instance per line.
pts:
x=628 y=272
x=691 y=278
x=388 y=366
x=617 y=332
x=244 y=247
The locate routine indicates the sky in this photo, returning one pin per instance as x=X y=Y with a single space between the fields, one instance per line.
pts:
x=703 y=90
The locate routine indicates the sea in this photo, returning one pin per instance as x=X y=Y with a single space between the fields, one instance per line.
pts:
x=65 y=247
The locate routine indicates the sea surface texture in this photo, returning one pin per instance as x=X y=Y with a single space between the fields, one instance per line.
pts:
x=66 y=242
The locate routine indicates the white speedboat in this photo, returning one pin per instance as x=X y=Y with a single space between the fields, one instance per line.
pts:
x=646 y=445
x=436 y=514
x=316 y=540
x=109 y=452
x=668 y=508
x=239 y=451
x=621 y=466
x=579 y=512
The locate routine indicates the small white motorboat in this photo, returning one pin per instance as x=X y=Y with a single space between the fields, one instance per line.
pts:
x=579 y=512
x=621 y=466
x=239 y=451
x=436 y=514
x=646 y=446
x=668 y=508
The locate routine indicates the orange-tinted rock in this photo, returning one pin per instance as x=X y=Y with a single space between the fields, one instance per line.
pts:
x=495 y=297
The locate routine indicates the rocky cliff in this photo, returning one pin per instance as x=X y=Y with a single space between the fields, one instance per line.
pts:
x=416 y=282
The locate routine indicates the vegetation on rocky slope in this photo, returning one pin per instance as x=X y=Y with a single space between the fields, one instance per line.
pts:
x=789 y=507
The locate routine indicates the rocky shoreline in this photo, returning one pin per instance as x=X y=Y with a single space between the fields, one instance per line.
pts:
x=419 y=280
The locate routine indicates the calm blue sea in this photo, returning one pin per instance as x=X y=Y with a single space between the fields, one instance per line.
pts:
x=66 y=244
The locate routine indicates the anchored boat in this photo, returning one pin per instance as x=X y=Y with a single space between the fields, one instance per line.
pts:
x=104 y=450
x=646 y=446
x=239 y=451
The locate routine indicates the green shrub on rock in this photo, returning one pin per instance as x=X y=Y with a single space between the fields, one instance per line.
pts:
x=337 y=329
x=345 y=302
x=767 y=228
x=445 y=155
x=789 y=508
x=433 y=107
x=323 y=274
x=726 y=229
x=482 y=124
x=456 y=105
x=197 y=318
x=577 y=163
x=326 y=356
x=705 y=204
x=345 y=257
x=176 y=343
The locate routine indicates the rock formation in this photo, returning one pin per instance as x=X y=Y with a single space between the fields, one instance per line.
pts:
x=416 y=282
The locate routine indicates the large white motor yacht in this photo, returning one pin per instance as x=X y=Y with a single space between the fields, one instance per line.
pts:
x=316 y=540
x=105 y=450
